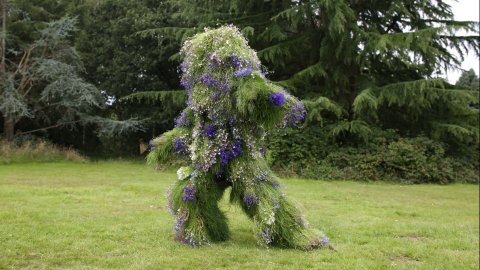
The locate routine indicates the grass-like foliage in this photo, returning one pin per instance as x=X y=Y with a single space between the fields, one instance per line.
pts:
x=109 y=215
x=221 y=135
x=39 y=151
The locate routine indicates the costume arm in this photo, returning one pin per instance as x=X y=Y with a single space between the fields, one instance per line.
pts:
x=169 y=145
x=267 y=104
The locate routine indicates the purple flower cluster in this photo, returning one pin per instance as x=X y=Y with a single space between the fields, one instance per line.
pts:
x=263 y=150
x=179 y=226
x=295 y=115
x=266 y=236
x=209 y=131
x=236 y=61
x=261 y=176
x=186 y=82
x=324 y=241
x=188 y=240
x=276 y=205
x=189 y=193
x=179 y=145
x=277 y=99
x=250 y=200
x=243 y=72
x=210 y=81
x=181 y=120
x=275 y=184
x=227 y=153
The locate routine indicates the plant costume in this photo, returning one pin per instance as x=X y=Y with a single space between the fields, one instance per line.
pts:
x=221 y=133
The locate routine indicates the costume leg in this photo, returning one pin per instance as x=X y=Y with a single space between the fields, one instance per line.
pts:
x=277 y=222
x=199 y=219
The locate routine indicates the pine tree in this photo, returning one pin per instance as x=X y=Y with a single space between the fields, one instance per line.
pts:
x=375 y=61
x=468 y=80
x=41 y=80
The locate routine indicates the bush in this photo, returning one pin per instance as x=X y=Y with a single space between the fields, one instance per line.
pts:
x=36 y=151
x=312 y=153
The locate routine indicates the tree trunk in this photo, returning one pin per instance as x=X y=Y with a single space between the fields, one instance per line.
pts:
x=9 y=123
x=8 y=128
x=3 y=3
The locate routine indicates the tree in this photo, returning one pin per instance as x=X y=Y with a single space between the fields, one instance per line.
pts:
x=41 y=78
x=359 y=63
x=123 y=63
x=468 y=80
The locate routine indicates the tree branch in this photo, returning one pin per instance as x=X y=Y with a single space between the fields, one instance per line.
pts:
x=49 y=127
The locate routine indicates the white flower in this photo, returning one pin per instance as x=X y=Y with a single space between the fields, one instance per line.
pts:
x=184 y=172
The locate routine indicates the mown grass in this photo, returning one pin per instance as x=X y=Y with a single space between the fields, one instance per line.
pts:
x=112 y=215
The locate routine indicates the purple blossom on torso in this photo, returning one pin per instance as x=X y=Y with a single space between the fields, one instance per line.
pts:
x=295 y=115
x=235 y=60
x=236 y=148
x=178 y=145
x=188 y=193
x=243 y=72
x=277 y=99
x=181 y=120
x=324 y=241
x=209 y=131
x=250 y=200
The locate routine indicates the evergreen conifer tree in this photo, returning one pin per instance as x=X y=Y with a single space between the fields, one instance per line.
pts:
x=358 y=63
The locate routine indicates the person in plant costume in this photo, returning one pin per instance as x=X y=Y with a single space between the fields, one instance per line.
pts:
x=231 y=106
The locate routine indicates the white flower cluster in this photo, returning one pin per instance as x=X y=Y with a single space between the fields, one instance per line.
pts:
x=184 y=172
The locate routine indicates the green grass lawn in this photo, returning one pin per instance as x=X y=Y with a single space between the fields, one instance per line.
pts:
x=113 y=215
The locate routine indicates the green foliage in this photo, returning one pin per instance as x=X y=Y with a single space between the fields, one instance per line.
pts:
x=318 y=154
x=133 y=70
x=252 y=101
x=36 y=151
x=468 y=80
x=44 y=89
x=178 y=97
x=163 y=148
x=359 y=66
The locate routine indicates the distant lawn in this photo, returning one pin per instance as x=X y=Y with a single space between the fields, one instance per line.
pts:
x=112 y=215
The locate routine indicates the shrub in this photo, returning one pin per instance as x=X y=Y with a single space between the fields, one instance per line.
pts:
x=36 y=151
x=312 y=153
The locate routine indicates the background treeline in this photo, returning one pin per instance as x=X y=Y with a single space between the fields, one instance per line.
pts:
x=367 y=71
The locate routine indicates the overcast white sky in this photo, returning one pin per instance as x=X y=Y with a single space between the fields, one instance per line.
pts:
x=465 y=10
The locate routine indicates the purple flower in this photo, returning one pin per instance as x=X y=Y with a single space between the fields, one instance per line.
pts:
x=181 y=218
x=235 y=61
x=183 y=66
x=276 y=205
x=250 y=200
x=295 y=115
x=277 y=99
x=324 y=240
x=209 y=131
x=243 y=72
x=263 y=150
x=181 y=120
x=275 y=184
x=186 y=82
x=188 y=193
x=236 y=148
x=266 y=236
x=225 y=156
x=209 y=80
x=178 y=145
